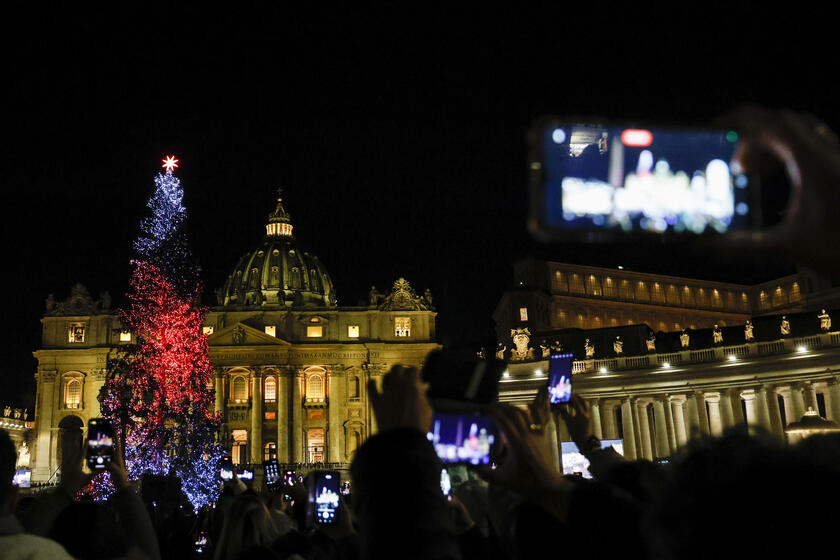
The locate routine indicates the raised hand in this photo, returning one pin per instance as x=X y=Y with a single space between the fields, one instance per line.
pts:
x=402 y=402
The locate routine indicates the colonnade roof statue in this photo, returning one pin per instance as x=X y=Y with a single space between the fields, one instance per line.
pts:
x=278 y=272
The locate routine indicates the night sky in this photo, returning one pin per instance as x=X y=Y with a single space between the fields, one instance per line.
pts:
x=399 y=141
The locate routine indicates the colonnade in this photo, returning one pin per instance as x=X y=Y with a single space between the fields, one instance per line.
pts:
x=657 y=426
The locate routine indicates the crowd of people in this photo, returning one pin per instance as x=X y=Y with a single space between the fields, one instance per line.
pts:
x=741 y=495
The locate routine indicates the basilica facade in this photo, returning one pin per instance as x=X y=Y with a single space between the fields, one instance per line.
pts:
x=290 y=366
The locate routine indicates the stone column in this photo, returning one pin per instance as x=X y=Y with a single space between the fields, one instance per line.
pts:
x=663 y=446
x=644 y=429
x=788 y=404
x=679 y=419
x=283 y=376
x=737 y=409
x=702 y=415
x=46 y=403
x=669 y=421
x=798 y=402
x=219 y=387
x=335 y=415
x=726 y=413
x=257 y=416
x=715 y=421
x=810 y=396
x=692 y=416
x=595 y=413
x=629 y=438
x=772 y=400
x=762 y=410
x=297 y=417
x=608 y=426
x=834 y=394
x=752 y=414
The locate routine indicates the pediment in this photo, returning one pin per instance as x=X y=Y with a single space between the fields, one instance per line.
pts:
x=240 y=334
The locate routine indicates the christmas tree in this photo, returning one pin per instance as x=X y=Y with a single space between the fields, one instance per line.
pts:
x=157 y=392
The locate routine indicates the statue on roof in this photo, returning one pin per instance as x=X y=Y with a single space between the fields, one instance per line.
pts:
x=403 y=298
x=500 y=351
x=784 y=326
x=589 y=349
x=618 y=346
x=748 y=331
x=521 y=350
x=684 y=339
x=651 y=342
x=717 y=335
x=825 y=321
x=79 y=303
x=544 y=349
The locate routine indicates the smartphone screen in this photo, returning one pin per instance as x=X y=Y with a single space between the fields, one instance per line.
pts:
x=246 y=474
x=226 y=468
x=463 y=438
x=100 y=444
x=445 y=483
x=345 y=488
x=560 y=378
x=290 y=477
x=637 y=180
x=272 y=475
x=323 y=496
x=201 y=543
x=22 y=478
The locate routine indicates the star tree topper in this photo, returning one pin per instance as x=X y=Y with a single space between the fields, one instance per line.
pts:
x=170 y=163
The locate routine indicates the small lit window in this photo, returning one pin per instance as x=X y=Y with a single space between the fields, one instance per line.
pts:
x=402 y=326
x=76 y=332
x=315 y=388
x=125 y=336
x=270 y=389
x=523 y=313
x=271 y=330
x=73 y=393
x=208 y=330
x=270 y=451
x=314 y=331
x=240 y=441
x=239 y=391
x=353 y=331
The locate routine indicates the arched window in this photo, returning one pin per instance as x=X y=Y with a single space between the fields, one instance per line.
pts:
x=795 y=296
x=294 y=280
x=626 y=290
x=354 y=387
x=609 y=288
x=73 y=393
x=593 y=286
x=642 y=293
x=270 y=451
x=658 y=293
x=717 y=301
x=315 y=388
x=702 y=298
x=687 y=296
x=560 y=284
x=313 y=280
x=274 y=279
x=270 y=389
x=778 y=297
x=239 y=389
x=255 y=277
x=763 y=300
x=672 y=295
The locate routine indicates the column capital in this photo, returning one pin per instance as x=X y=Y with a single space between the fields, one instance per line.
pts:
x=47 y=375
x=258 y=372
x=748 y=394
x=676 y=399
x=712 y=397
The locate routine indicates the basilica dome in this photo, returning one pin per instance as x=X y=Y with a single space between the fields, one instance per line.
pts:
x=278 y=272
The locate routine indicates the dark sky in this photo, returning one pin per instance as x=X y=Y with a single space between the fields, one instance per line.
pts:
x=399 y=140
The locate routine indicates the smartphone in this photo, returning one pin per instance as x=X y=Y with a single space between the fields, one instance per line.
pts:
x=273 y=482
x=560 y=378
x=445 y=484
x=201 y=543
x=290 y=477
x=458 y=375
x=610 y=181
x=100 y=444
x=323 y=497
x=463 y=437
x=246 y=474
x=22 y=478
x=345 y=488
x=226 y=468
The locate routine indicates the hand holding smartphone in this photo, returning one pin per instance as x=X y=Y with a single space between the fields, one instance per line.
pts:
x=322 y=505
x=100 y=444
x=560 y=378
x=226 y=468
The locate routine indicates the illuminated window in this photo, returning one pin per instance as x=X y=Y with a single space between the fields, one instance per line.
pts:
x=672 y=295
x=73 y=393
x=609 y=288
x=730 y=301
x=593 y=286
x=702 y=298
x=576 y=284
x=354 y=385
x=402 y=326
x=717 y=302
x=562 y=318
x=745 y=302
x=270 y=451
x=270 y=389
x=560 y=284
x=125 y=336
x=314 y=331
x=626 y=290
x=794 y=292
x=238 y=450
x=778 y=297
x=315 y=444
x=523 y=313
x=271 y=330
x=274 y=276
x=642 y=292
x=255 y=277
x=76 y=332
x=295 y=278
x=315 y=388
x=352 y=331
x=658 y=293
x=239 y=389
x=687 y=296
x=763 y=300
x=208 y=330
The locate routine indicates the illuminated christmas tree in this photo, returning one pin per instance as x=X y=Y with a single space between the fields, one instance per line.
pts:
x=157 y=391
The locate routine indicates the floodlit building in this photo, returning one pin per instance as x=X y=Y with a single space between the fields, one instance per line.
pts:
x=290 y=366
x=661 y=358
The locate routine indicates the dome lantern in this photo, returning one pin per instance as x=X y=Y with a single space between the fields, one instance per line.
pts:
x=279 y=224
